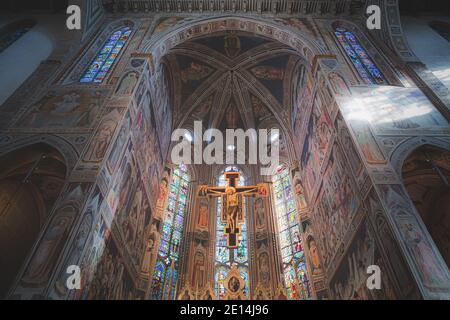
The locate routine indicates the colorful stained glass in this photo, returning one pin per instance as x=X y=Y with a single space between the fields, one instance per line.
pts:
x=359 y=57
x=165 y=276
x=292 y=255
x=102 y=63
x=225 y=258
x=243 y=271
x=221 y=274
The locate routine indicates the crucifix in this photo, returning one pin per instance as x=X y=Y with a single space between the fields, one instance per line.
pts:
x=232 y=197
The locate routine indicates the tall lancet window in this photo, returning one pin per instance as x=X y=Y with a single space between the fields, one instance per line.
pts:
x=359 y=57
x=13 y=32
x=225 y=258
x=294 y=267
x=166 y=270
x=108 y=54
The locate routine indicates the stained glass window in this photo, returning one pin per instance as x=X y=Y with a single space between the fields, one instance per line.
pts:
x=291 y=246
x=225 y=258
x=103 y=62
x=165 y=276
x=11 y=33
x=359 y=57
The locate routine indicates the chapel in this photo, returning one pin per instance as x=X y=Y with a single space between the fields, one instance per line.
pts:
x=338 y=190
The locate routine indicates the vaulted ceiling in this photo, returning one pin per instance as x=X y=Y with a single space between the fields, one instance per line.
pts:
x=233 y=80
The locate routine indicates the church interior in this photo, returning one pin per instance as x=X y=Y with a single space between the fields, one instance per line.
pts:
x=93 y=206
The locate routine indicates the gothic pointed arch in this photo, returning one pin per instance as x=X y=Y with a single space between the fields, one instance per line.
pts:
x=31 y=180
x=368 y=62
x=426 y=175
x=101 y=55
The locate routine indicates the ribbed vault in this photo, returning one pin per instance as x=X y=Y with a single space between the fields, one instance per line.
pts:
x=233 y=80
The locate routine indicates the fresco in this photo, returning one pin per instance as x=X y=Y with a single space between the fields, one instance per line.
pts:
x=103 y=135
x=161 y=111
x=50 y=247
x=193 y=73
x=366 y=140
x=393 y=109
x=126 y=177
x=64 y=109
x=145 y=135
x=347 y=144
x=320 y=131
x=297 y=122
x=112 y=281
x=166 y=23
x=337 y=204
x=297 y=88
x=390 y=248
x=133 y=222
x=127 y=83
x=271 y=73
x=349 y=282
x=91 y=258
x=118 y=144
x=74 y=253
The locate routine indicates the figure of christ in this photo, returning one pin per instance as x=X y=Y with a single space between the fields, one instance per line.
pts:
x=232 y=200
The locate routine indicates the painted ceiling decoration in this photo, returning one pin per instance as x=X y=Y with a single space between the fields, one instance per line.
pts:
x=260 y=111
x=231 y=45
x=195 y=72
x=322 y=7
x=271 y=74
x=250 y=75
x=204 y=108
x=192 y=73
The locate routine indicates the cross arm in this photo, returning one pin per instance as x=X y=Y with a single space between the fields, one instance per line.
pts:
x=259 y=190
x=205 y=190
x=247 y=189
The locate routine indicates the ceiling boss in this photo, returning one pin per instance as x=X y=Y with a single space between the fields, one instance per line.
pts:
x=232 y=211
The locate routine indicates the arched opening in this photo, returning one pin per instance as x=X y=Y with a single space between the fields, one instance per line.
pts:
x=231 y=73
x=103 y=62
x=31 y=180
x=426 y=175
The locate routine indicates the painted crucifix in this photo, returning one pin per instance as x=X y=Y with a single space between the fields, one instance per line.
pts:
x=232 y=199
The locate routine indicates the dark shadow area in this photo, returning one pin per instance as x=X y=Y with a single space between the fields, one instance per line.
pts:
x=418 y=7
x=37 y=6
